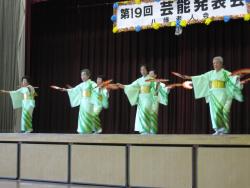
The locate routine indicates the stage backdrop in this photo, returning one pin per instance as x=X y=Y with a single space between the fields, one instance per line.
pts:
x=68 y=35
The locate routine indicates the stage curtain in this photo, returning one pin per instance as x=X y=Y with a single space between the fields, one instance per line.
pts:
x=67 y=36
x=12 y=59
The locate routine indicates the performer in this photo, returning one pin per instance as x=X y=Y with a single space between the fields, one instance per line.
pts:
x=142 y=93
x=157 y=87
x=219 y=89
x=82 y=95
x=100 y=101
x=24 y=98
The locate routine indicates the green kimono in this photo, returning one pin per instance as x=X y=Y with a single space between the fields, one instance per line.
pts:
x=160 y=95
x=219 y=89
x=146 y=96
x=24 y=98
x=100 y=101
x=82 y=95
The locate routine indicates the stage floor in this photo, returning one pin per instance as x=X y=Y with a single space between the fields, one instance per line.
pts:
x=160 y=139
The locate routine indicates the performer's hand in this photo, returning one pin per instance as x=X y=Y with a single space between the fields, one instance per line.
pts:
x=169 y=87
x=187 y=77
x=4 y=91
x=187 y=85
x=120 y=85
x=63 y=89
x=69 y=86
x=242 y=82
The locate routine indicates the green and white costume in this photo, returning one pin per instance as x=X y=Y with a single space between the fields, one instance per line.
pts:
x=82 y=95
x=219 y=89
x=100 y=101
x=24 y=98
x=146 y=96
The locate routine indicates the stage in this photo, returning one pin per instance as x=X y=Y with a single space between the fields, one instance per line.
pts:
x=174 y=161
x=160 y=139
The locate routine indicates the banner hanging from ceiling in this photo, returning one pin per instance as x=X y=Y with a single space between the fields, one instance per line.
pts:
x=146 y=14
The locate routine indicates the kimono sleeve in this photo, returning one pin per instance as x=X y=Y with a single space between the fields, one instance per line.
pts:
x=201 y=85
x=132 y=91
x=17 y=98
x=163 y=94
x=75 y=95
x=233 y=87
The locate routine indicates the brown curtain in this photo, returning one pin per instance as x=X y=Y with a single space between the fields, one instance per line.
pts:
x=12 y=58
x=67 y=36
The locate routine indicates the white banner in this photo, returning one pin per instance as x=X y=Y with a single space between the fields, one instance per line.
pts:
x=130 y=15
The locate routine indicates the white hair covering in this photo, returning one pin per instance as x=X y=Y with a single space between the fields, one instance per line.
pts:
x=219 y=58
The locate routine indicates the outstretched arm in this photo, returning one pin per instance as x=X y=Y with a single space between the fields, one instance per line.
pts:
x=187 y=77
x=120 y=85
x=4 y=91
x=63 y=89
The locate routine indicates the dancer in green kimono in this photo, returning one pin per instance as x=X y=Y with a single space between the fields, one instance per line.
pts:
x=162 y=97
x=100 y=101
x=82 y=95
x=219 y=89
x=142 y=93
x=24 y=98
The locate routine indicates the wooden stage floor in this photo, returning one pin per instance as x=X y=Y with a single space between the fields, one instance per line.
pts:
x=163 y=139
